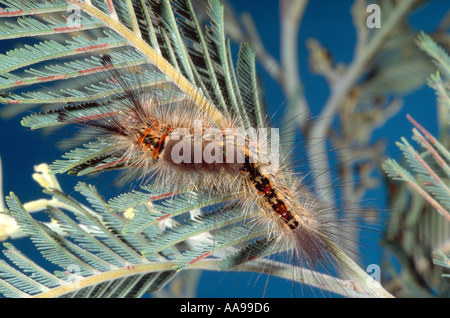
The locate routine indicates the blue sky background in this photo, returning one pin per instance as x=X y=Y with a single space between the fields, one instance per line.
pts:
x=330 y=22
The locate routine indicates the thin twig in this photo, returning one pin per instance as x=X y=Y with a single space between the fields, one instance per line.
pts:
x=340 y=90
x=291 y=12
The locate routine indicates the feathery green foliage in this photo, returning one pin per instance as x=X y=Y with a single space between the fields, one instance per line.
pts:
x=91 y=248
x=427 y=171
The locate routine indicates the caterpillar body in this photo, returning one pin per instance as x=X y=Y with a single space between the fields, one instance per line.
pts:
x=177 y=143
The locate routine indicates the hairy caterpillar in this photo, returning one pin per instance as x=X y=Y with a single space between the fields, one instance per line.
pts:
x=177 y=144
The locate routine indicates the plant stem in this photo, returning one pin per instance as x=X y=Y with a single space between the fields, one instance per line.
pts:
x=291 y=15
x=326 y=282
x=339 y=90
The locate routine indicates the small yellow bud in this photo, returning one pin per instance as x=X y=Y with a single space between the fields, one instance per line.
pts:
x=7 y=226
x=43 y=177
x=129 y=213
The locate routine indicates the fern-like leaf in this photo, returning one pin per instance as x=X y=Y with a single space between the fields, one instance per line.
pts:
x=428 y=170
x=100 y=260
